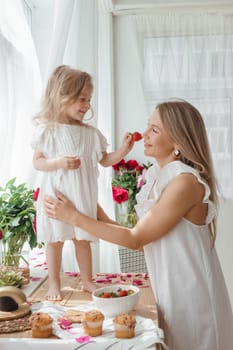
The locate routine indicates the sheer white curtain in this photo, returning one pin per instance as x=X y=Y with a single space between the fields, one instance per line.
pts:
x=20 y=88
x=108 y=252
x=75 y=41
x=189 y=56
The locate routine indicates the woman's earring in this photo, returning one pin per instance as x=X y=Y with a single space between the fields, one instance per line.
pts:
x=177 y=153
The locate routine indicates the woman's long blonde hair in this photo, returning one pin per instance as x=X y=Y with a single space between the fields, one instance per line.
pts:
x=63 y=88
x=186 y=127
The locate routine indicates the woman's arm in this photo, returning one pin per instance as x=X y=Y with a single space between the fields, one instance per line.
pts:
x=179 y=197
x=102 y=216
x=61 y=208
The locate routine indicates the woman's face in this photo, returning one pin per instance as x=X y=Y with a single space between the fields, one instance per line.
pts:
x=157 y=142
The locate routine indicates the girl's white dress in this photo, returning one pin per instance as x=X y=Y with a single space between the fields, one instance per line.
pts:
x=185 y=274
x=80 y=185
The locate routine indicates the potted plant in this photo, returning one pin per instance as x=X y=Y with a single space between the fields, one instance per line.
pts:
x=17 y=221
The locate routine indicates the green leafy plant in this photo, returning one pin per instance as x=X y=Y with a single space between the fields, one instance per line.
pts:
x=17 y=220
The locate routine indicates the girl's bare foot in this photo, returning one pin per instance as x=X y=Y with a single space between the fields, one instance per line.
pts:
x=53 y=294
x=89 y=286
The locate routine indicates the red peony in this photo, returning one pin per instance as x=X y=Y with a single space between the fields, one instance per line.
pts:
x=132 y=164
x=120 y=164
x=120 y=195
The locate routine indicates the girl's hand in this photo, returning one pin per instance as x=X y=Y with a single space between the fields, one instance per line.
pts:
x=60 y=208
x=127 y=143
x=68 y=163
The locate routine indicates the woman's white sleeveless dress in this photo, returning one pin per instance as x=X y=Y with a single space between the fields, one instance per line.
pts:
x=185 y=273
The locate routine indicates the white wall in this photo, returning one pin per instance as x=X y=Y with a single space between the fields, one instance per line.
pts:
x=131 y=114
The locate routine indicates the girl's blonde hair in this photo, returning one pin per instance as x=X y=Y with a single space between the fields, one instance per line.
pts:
x=186 y=127
x=63 y=88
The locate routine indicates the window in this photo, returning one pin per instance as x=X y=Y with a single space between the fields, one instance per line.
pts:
x=198 y=69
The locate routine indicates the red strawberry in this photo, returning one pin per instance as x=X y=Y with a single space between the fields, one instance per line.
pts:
x=122 y=293
x=137 y=136
x=106 y=295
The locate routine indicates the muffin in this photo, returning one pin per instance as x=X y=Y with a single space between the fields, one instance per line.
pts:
x=124 y=325
x=93 y=323
x=41 y=324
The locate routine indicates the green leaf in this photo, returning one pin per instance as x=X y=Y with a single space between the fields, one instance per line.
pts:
x=15 y=221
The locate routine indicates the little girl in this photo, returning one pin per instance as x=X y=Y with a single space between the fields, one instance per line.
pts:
x=68 y=151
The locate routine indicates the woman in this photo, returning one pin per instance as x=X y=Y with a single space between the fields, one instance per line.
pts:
x=177 y=229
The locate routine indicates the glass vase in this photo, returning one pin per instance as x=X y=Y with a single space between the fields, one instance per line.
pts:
x=16 y=261
x=126 y=214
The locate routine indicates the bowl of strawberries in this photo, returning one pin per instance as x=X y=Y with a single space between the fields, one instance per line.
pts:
x=116 y=299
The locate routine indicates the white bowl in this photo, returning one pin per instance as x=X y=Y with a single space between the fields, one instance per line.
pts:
x=111 y=307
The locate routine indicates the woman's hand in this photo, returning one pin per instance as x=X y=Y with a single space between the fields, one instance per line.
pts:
x=60 y=208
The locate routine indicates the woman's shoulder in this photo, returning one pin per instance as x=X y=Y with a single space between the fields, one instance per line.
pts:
x=188 y=184
x=183 y=175
x=177 y=167
x=173 y=169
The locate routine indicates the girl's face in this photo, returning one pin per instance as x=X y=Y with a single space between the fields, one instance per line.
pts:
x=76 y=111
x=157 y=142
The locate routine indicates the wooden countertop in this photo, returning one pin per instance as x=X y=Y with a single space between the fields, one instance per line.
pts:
x=73 y=295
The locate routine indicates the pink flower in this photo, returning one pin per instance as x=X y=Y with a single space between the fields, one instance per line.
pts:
x=84 y=339
x=103 y=280
x=72 y=274
x=65 y=324
x=140 y=181
x=35 y=279
x=120 y=195
x=128 y=275
x=36 y=194
x=1 y=234
x=111 y=275
x=137 y=282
